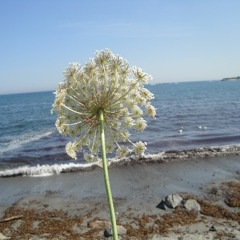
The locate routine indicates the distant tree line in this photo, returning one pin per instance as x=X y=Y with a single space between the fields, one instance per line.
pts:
x=231 y=78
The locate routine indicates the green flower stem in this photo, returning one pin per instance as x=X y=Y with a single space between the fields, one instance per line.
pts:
x=106 y=177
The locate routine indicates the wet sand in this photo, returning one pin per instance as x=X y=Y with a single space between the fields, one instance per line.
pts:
x=135 y=182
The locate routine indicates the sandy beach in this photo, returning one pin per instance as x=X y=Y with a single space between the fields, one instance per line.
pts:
x=74 y=206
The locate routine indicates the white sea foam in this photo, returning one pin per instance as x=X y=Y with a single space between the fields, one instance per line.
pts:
x=44 y=170
x=18 y=141
x=168 y=156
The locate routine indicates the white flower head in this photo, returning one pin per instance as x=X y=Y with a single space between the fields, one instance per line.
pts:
x=151 y=111
x=90 y=157
x=128 y=122
x=140 y=124
x=108 y=84
x=71 y=70
x=122 y=151
x=139 y=148
x=71 y=150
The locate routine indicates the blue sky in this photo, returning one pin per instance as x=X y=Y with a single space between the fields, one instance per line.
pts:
x=173 y=40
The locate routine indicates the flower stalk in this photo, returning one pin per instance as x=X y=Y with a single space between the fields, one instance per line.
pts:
x=106 y=176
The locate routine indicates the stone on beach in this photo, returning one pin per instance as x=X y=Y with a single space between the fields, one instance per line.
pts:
x=104 y=224
x=162 y=205
x=170 y=201
x=192 y=204
x=120 y=229
x=173 y=200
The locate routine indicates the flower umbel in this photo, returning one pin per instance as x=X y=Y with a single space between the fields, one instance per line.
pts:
x=108 y=84
x=103 y=98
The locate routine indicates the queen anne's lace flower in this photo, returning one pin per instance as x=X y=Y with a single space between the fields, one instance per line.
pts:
x=140 y=125
x=122 y=151
x=109 y=84
x=139 y=147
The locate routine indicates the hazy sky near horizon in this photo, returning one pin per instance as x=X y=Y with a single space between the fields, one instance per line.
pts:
x=172 y=40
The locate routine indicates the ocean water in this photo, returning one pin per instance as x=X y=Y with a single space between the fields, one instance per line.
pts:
x=189 y=115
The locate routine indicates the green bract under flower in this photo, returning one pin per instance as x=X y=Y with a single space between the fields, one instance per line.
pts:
x=107 y=83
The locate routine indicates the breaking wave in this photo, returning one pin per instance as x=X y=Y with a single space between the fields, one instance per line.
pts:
x=46 y=169
x=17 y=142
x=165 y=156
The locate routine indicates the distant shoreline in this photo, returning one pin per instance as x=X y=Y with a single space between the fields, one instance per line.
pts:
x=231 y=78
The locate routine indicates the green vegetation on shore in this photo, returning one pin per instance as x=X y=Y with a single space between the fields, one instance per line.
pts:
x=231 y=78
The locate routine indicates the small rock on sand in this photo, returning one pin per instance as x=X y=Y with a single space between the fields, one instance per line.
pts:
x=173 y=200
x=192 y=204
x=120 y=229
x=170 y=201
